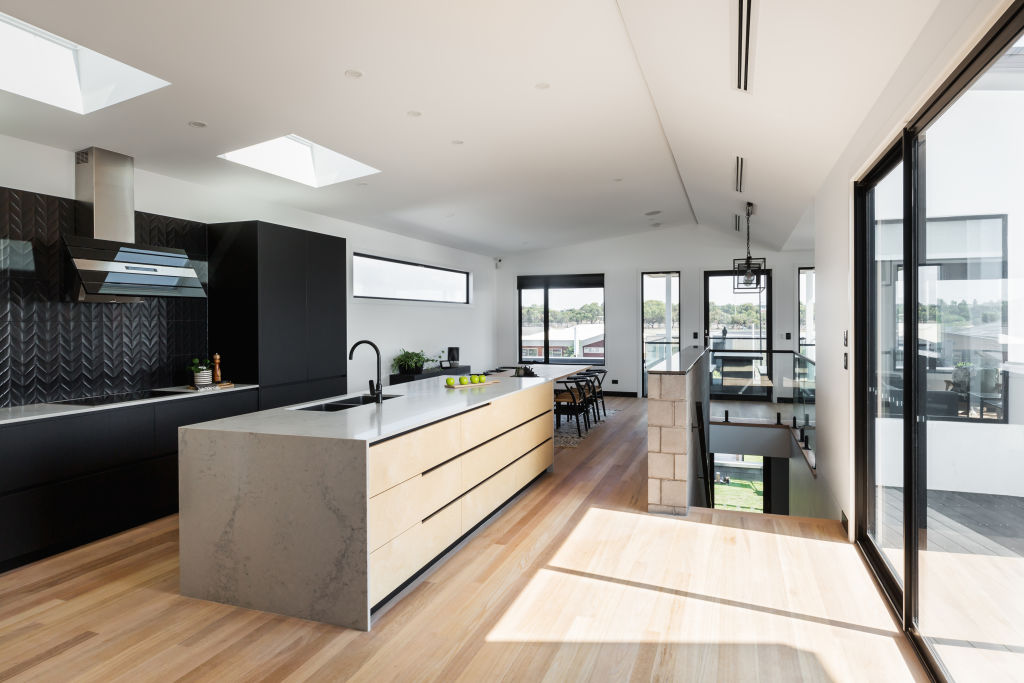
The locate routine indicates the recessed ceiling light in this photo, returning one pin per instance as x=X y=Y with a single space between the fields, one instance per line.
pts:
x=362 y=184
x=413 y=113
x=46 y=68
x=542 y=86
x=655 y=225
x=352 y=73
x=616 y=180
x=457 y=142
x=300 y=160
x=652 y=213
x=197 y=124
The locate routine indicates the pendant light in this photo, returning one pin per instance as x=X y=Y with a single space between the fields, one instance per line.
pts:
x=749 y=272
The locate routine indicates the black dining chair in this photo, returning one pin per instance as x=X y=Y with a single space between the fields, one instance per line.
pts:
x=589 y=383
x=599 y=375
x=571 y=401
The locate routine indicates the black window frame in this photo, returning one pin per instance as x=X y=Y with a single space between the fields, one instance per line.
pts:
x=549 y=282
x=769 y=349
x=908 y=148
x=359 y=254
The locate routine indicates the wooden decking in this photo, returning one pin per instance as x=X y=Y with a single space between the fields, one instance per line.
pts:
x=573 y=581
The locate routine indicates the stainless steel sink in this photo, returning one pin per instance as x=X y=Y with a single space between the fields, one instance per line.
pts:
x=344 y=403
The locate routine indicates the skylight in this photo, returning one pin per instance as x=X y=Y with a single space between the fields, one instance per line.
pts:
x=41 y=66
x=300 y=160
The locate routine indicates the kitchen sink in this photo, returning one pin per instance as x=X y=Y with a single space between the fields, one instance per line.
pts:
x=344 y=403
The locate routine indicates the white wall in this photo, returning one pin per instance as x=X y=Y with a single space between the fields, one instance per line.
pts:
x=391 y=324
x=947 y=37
x=690 y=250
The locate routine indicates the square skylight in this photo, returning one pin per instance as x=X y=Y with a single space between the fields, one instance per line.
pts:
x=44 y=67
x=298 y=159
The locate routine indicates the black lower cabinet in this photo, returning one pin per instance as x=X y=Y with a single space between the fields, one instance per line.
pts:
x=68 y=480
x=300 y=392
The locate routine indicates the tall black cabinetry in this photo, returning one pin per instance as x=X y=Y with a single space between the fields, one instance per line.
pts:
x=277 y=310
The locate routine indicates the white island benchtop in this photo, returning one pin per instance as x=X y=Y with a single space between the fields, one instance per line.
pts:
x=415 y=405
x=324 y=515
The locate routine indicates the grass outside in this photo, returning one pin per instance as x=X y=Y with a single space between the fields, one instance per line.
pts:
x=740 y=494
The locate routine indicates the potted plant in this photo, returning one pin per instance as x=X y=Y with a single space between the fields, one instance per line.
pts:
x=409 y=362
x=202 y=372
x=962 y=377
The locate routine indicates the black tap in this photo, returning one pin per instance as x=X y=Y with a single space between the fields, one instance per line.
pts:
x=377 y=391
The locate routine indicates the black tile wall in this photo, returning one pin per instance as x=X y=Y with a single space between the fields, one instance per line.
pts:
x=53 y=349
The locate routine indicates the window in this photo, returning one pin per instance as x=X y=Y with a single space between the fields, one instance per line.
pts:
x=737 y=326
x=374 y=277
x=939 y=366
x=561 y=319
x=806 y=312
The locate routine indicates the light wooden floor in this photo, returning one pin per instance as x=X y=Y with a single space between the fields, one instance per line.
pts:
x=571 y=582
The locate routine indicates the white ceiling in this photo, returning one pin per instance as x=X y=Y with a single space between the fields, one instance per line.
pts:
x=538 y=166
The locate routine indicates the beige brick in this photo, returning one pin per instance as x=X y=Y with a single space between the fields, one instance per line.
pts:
x=660 y=413
x=673 y=493
x=680 y=466
x=654 y=386
x=673 y=440
x=660 y=465
x=673 y=387
x=654 y=438
x=653 y=491
x=681 y=416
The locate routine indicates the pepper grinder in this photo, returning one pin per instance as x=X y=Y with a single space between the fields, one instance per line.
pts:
x=216 y=368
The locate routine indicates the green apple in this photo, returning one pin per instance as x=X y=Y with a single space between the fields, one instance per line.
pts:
x=450 y=381
x=463 y=380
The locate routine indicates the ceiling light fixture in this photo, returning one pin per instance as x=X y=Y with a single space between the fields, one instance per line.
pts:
x=197 y=124
x=457 y=142
x=413 y=113
x=352 y=73
x=652 y=213
x=542 y=86
x=298 y=159
x=749 y=273
x=655 y=225
x=49 y=69
x=739 y=174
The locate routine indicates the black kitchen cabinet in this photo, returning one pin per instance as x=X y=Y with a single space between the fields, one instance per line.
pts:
x=173 y=414
x=277 y=301
x=70 y=479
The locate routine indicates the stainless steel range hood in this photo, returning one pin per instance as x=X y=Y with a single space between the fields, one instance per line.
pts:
x=108 y=265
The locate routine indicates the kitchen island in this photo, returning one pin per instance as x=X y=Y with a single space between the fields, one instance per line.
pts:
x=324 y=515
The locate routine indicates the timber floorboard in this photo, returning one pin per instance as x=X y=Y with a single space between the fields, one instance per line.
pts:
x=571 y=581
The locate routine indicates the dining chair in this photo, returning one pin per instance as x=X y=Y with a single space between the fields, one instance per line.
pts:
x=570 y=400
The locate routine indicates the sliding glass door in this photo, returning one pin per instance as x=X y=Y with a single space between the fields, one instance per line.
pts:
x=940 y=368
x=883 y=206
x=970 y=350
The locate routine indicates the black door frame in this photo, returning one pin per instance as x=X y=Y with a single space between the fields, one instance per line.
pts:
x=643 y=344
x=768 y=351
x=909 y=148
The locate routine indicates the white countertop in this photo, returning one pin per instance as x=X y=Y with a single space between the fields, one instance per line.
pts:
x=37 y=411
x=417 y=404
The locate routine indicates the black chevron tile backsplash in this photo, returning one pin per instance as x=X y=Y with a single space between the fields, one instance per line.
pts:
x=53 y=349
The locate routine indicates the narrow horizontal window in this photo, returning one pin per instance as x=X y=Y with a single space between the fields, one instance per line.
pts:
x=374 y=277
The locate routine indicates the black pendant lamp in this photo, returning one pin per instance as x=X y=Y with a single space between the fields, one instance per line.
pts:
x=749 y=273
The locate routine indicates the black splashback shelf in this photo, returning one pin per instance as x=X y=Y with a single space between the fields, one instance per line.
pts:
x=54 y=349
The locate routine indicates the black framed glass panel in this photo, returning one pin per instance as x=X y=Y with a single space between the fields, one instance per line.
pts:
x=737 y=328
x=561 y=319
x=659 y=306
x=970 y=355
